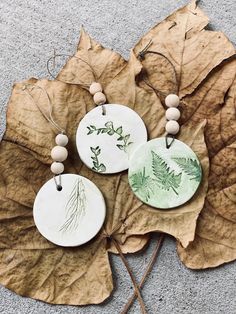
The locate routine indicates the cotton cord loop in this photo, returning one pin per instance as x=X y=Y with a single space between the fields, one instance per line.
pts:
x=84 y=85
x=27 y=88
x=58 y=184
x=53 y=60
x=141 y=56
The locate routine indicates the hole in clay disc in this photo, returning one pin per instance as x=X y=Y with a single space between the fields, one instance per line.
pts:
x=59 y=188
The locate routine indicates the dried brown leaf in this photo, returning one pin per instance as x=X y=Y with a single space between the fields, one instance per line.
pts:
x=206 y=68
x=193 y=50
x=27 y=259
x=215 y=241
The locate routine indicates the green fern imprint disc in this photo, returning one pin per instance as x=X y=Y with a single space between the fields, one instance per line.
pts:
x=164 y=177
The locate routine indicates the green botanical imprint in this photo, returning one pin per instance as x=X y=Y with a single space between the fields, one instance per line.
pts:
x=142 y=184
x=166 y=178
x=75 y=207
x=190 y=167
x=110 y=130
x=99 y=167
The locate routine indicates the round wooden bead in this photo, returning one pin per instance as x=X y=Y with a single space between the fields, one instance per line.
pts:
x=172 y=127
x=172 y=114
x=57 y=167
x=99 y=98
x=172 y=100
x=59 y=153
x=95 y=88
x=61 y=140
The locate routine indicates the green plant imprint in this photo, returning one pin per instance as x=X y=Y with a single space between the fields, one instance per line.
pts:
x=99 y=167
x=163 y=177
x=110 y=130
x=190 y=167
x=142 y=184
x=166 y=178
x=75 y=207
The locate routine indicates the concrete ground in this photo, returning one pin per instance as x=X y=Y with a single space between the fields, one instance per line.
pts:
x=29 y=30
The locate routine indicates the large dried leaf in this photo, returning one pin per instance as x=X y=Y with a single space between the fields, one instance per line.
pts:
x=215 y=241
x=193 y=50
x=206 y=69
x=74 y=276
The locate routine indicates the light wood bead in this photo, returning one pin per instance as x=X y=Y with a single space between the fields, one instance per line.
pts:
x=95 y=88
x=99 y=98
x=61 y=140
x=172 y=127
x=172 y=114
x=57 y=167
x=172 y=100
x=59 y=153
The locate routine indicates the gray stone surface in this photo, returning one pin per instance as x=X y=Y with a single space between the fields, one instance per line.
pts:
x=29 y=30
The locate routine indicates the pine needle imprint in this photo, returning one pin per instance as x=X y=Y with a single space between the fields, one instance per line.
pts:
x=110 y=130
x=75 y=207
x=190 y=167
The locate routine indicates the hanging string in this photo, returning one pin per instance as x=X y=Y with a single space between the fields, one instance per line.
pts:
x=136 y=287
x=146 y=273
x=141 y=56
x=58 y=185
x=53 y=58
x=169 y=143
x=82 y=84
x=27 y=88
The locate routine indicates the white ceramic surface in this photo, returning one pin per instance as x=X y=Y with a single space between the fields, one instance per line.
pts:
x=105 y=142
x=70 y=217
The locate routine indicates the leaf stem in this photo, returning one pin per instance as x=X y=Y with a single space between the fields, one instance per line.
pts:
x=146 y=273
x=174 y=190
x=137 y=291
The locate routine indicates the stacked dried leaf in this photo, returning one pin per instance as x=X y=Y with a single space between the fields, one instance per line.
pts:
x=32 y=266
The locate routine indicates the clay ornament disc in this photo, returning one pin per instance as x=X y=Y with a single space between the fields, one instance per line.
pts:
x=72 y=216
x=105 y=141
x=164 y=177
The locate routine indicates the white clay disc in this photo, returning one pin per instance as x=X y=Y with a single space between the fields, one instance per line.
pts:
x=164 y=177
x=105 y=142
x=72 y=216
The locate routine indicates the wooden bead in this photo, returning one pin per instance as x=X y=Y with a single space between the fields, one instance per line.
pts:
x=172 y=100
x=59 y=153
x=57 y=167
x=172 y=127
x=95 y=88
x=172 y=114
x=99 y=98
x=61 y=140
